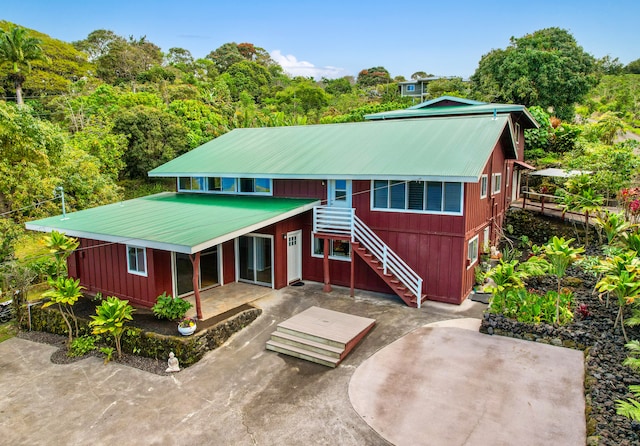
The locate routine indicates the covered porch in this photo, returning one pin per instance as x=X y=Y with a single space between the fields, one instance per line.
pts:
x=222 y=299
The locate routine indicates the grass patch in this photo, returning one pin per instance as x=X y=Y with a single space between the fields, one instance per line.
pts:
x=30 y=246
x=8 y=330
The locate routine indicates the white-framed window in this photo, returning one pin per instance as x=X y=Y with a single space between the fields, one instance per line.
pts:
x=338 y=249
x=225 y=185
x=428 y=197
x=137 y=260
x=517 y=132
x=472 y=251
x=484 y=185
x=411 y=88
x=496 y=183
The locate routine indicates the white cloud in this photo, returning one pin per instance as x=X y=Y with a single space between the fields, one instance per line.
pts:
x=294 y=67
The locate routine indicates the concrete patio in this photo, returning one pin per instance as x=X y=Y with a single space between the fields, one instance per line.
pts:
x=239 y=394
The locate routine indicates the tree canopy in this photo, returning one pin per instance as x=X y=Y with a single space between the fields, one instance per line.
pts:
x=546 y=68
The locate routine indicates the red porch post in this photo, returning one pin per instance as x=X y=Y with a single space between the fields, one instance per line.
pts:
x=353 y=270
x=327 y=284
x=195 y=278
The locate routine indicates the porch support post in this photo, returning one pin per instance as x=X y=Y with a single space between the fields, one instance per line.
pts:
x=195 y=261
x=325 y=263
x=353 y=270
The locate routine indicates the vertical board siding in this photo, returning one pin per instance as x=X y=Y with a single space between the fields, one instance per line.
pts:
x=229 y=261
x=102 y=267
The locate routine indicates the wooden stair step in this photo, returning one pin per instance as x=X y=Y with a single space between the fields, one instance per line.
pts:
x=302 y=354
x=306 y=344
x=301 y=334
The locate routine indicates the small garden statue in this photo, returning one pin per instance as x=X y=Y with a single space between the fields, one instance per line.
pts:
x=174 y=366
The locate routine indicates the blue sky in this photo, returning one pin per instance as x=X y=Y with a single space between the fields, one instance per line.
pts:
x=335 y=38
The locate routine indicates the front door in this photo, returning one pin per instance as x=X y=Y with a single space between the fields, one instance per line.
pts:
x=339 y=193
x=294 y=256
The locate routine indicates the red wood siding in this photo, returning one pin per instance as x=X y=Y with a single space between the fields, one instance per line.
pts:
x=102 y=267
x=300 y=189
x=229 y=261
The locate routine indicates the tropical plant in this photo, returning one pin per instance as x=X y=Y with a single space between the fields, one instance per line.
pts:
x=81 y=345
x=18 y=277
x=110 y=318
x=64 y=292
x=632 y=240
x=61 y=247
x=621 y=280
x=631 y=407
x=172 y=308
x=612 y=224
x=560 y=254
x=18 y=49
x=530 y=307
x=107 y=352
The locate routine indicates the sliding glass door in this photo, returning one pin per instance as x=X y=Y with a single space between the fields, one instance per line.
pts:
x=255 y=259
x=208 y=271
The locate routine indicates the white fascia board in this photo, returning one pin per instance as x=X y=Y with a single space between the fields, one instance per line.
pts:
x=113 y=238
x=365 y=177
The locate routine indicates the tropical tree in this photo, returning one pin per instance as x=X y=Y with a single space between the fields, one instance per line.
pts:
x=64 y=292
x=546 y=68
x=61 y=247
x=19 y=49
x=373 y=76
x=560 y=254
x=622 y=280
x=110 y=318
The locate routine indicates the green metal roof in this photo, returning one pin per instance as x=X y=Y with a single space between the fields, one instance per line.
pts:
x=185 y=223
x=450 y=149
x=425 y=109
x=461 y=101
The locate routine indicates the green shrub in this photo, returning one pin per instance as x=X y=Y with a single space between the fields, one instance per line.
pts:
x=82 y=345
x=530 y=307
x=172 y=308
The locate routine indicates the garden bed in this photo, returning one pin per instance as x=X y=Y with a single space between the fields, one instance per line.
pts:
x=145 y=337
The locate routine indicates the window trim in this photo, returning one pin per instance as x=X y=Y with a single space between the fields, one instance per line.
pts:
x=235 y=191
x=144 y=259
x=495 y=181
x=331 y=255
x=372 y=206
x=484 y=185
x=411 y=87
x=473 y=241
x=517 y=132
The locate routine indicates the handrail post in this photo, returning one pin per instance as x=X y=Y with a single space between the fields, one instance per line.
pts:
x=384 y=258
x=419 y=295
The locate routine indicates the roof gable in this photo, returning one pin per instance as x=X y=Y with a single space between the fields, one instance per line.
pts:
x=452 y=106
x=440 y=148
x=445 y=100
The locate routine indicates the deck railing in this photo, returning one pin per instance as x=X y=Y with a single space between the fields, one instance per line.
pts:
x=343 y=221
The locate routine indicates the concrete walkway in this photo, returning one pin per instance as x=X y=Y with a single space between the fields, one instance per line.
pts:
x=241 y=394
x=446 y=384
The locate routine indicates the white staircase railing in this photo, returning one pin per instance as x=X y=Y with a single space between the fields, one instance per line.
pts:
x=343 y=221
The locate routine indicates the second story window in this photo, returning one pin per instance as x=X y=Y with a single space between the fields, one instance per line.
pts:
x=417 y=196
x=411 y=88
x=222 y=185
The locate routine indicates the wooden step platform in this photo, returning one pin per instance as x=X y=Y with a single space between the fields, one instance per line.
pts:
x=320 y=335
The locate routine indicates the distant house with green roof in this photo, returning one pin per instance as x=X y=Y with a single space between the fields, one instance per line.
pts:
x=402 y=204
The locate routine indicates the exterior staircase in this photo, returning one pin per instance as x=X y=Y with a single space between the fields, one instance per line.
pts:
x=405 y=282
x=319 y=335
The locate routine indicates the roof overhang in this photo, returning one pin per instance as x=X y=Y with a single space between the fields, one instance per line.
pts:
x=524 y=165
x=559 y=173
x=185 y=223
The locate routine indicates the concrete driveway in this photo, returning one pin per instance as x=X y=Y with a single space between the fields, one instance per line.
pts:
x=240 y=394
